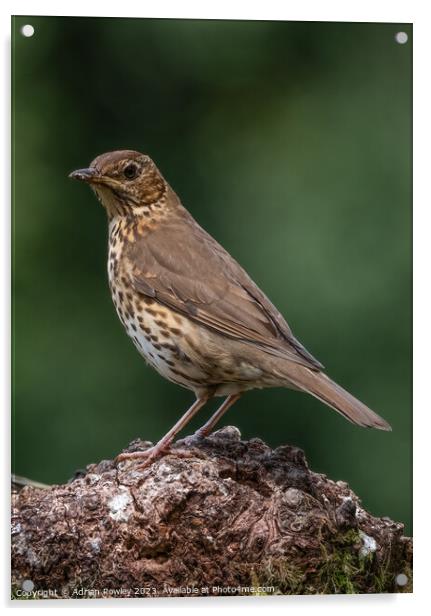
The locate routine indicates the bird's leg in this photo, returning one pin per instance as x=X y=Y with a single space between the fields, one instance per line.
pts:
x=153 y=452
x=209 y=425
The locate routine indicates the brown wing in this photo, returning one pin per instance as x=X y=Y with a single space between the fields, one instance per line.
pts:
x=186 y=269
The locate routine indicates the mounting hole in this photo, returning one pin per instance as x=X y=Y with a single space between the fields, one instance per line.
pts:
x=27 y=30
x=401 y=38
x=401 y=579
x=27 y=585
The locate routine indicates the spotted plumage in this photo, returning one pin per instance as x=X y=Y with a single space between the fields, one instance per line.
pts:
x=190 y=309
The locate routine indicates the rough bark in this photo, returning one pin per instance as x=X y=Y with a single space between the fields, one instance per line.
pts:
x=213 y=517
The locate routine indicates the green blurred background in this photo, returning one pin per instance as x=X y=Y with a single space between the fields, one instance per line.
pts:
x=291 y=144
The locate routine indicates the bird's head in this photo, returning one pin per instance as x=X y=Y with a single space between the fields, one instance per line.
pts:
x=125 y=182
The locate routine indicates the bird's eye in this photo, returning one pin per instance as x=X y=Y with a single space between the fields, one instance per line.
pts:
x=130 y=171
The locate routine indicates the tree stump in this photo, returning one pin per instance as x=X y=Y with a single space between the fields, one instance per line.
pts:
x=216 y=516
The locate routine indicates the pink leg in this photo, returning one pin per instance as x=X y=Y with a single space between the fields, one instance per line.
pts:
x=151 y=454
x=208 y=427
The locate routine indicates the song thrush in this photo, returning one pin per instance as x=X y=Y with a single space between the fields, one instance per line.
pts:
x=191 y=310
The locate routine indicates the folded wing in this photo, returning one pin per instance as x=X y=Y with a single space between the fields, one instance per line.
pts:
x=202 y=281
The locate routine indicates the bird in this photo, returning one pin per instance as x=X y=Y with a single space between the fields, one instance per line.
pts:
x=191 y=310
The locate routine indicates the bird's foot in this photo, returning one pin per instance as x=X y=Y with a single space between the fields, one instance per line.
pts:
x=201 y=433
x=148 y=456
x=193 y=440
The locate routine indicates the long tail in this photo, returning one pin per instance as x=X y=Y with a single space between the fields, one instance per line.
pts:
x=327 y=391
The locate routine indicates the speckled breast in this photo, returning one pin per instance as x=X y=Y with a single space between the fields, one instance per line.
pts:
x=178 y=348
x=163 y=337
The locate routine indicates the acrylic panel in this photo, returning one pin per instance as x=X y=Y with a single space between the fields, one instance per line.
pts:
x=290 y=145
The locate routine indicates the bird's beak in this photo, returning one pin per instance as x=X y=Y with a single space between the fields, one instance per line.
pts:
x=90 y=175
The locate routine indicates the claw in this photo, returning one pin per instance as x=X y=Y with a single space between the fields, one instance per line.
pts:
x=153 y=453
x=149 y=455
x=134 y=455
